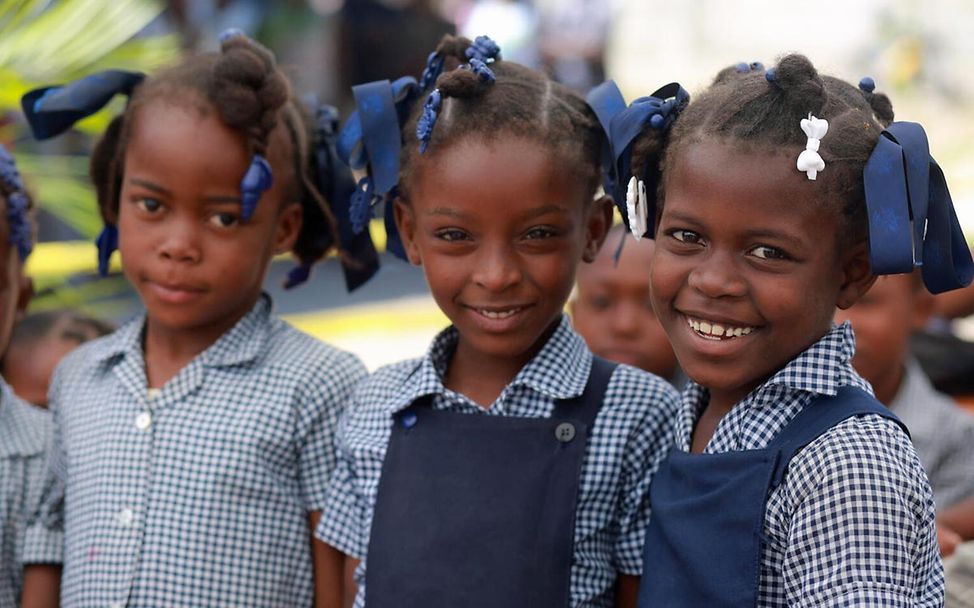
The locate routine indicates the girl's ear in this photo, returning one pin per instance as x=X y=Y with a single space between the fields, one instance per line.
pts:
x=288 y=227
x=857 y=277
x=406 y=224
x=598 y=225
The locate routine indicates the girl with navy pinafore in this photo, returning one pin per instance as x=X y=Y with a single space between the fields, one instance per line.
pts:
x=25 y=430
x=193 y=445
x=778 y=196
x=508 y=466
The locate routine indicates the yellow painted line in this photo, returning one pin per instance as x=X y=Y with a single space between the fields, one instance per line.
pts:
x=61 y=259
x=382 y=319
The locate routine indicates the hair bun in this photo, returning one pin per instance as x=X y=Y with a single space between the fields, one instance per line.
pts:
x=799 y=82
x=453 y=50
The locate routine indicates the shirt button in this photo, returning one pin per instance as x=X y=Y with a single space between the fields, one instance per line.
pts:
x=565 y=432
x=125 y=517
x=143 y=421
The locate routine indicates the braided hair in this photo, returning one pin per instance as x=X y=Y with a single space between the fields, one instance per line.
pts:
x=251 y=95
x=760 y=109
x=516 y=101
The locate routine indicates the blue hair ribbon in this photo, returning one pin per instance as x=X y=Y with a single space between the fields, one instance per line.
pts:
x=484 y=49
x=624 y=124
x=432 y=71
x=371 y=140
x=21 y=235
x=107 y=243
x=426 y=122
x=53 y=110
x=912 y=221
x=258 y=179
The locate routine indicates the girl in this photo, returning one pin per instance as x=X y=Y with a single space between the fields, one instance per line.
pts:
x=506 y=467
x=781 y=198
x=25 y=431
x=195 y=442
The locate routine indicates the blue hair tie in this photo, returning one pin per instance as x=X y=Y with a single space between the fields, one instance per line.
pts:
x=360 y=208
x=484 y=49
x=483 y=72
x=424 y=128
x=432 y=71
x=107 y=242
x=742 y=68
x=867 y=85
x=257 y=180
x=21 y=235
x=297 y=275
x=756 y=65
x=229 y=34
x=771 y=75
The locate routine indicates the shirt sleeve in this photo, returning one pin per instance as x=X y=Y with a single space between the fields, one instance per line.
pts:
x=863 y=531
x=322 y=401
x=44 y=533
x=950 y=475
x=342 y=523
x=648 y=444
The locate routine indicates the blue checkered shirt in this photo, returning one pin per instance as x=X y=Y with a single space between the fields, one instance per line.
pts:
x=632 y=433
x=25 y=434
x=853 y=522
x=197 y=496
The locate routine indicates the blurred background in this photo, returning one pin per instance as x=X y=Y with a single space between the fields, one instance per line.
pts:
x=920 y=53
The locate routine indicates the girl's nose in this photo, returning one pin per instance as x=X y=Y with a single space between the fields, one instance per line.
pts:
x=717 y=276
x=497 y=269
x=180 y=243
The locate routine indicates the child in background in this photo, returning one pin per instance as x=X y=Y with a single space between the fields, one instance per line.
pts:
x=37 y=345
x=194 y=444
x=611 y=309
x=508 y=466
x=942 y=432
x=780 y=199
x=25 y=431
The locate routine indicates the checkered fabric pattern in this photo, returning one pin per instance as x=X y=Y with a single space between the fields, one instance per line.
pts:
x=198 y=496
x=943 y=435
x=25 y=434
x=632 y=433
x=853 y=522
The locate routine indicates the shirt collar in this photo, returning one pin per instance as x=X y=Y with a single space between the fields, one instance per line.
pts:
x=240 y=344
x=560 y=369
x=19 y=435
x=823 y=367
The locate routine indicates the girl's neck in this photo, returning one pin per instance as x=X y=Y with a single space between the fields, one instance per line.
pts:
x=719 y=404
x=482 y=377
x=168 y=350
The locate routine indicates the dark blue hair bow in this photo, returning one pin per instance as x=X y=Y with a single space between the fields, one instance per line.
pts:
x=18 y=219
x=912 y=221
x=335 y=183
x=623 y=125
x=371 y=141
x=484 y=49
x=53 y=110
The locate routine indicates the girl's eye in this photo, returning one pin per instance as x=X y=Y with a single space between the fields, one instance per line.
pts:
x=451 y=235
x=224 y=220
x=769 y=253
x=150 y=205
x=539 y=232
x=687 y=236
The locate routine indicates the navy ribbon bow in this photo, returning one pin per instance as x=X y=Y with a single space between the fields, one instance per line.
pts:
x=335 y=182
x=912 y=221
x=53 y=110
x=622 y=125
x=371 y=140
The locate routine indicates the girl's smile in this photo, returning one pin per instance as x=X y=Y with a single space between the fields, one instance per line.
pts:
x=748 y=267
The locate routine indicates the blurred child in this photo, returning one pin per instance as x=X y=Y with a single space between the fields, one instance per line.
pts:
x=791 y=485
x=507 y=466
x=611 y=309
x=942 y=432
x=194 y=444
x=37 y=345
x=25 y=431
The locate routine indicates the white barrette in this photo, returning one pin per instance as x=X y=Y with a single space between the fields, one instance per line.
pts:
x=809 y=160
x=636 y=207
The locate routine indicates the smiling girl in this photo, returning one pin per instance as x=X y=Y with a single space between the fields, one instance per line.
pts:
x=783 y=193
x=508 y=466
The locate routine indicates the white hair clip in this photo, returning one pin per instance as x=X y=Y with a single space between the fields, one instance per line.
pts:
x=809 y=160
x=636 y=207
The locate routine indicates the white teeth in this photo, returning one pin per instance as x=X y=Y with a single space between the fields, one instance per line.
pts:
x=498 y=314
x=716 y=330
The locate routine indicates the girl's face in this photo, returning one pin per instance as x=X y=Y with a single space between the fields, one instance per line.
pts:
x=195 y=265
x=499 y=228
x=749 y=266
